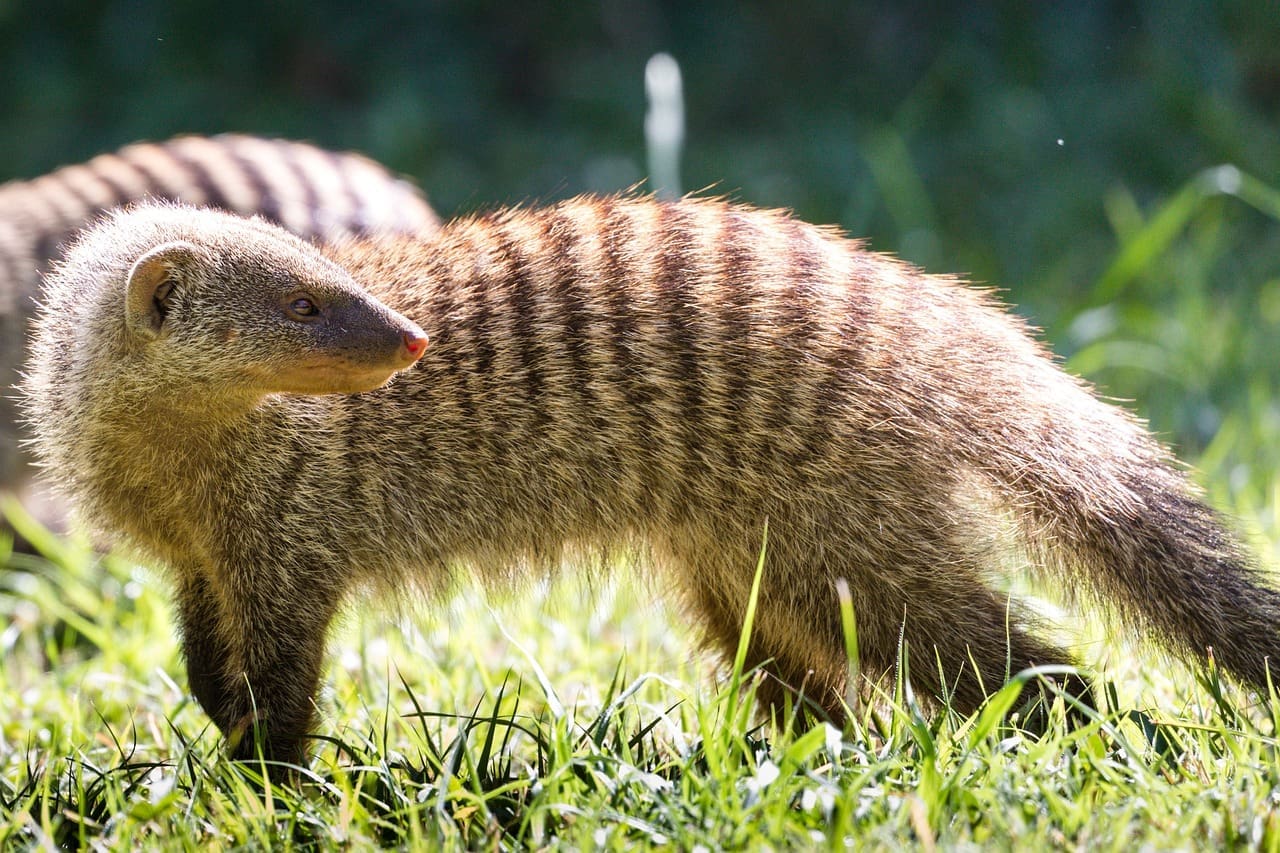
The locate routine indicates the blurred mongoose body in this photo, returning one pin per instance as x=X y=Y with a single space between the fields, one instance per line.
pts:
x=606 y=371
x=313 y=192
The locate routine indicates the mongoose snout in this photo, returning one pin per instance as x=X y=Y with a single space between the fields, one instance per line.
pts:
x=415 y=344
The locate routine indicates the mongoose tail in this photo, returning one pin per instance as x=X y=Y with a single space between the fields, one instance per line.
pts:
x=1161 y=559
x=1103 y=506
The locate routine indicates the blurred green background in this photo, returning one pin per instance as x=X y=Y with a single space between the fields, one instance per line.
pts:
x=1026 y=145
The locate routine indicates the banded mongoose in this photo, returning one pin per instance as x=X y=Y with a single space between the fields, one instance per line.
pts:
x=313 y=192
x=605 y=371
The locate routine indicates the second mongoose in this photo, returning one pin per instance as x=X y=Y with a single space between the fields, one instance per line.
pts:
x=312 y=192
x=604 y=372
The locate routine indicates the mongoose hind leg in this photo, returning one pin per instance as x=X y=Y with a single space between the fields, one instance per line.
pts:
x=796 y=639
x=967 y=650
x=790 y=675
x=925 y=593
x=963 y=639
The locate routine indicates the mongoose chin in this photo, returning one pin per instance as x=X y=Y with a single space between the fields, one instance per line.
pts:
x=607 y=371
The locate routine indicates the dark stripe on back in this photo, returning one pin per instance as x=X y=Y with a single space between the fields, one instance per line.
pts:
x=524 y=308
x=571 y=303
x=616 y=233
x=46 y=248
x=794 y=316
x=738 y=329
x=155 y=188
x=298 y=453
x=846 y=364
x=119 y=195
x=471 y=274
x=86 y=206
x=202 y=178
x=311 y=201
x=481 y=326
x=676 y=266
x=359 y=215
x=453 y=339
x=90 y=205
x=15 y=265
x=69 y=221
x=808 y=269
x=267 y=203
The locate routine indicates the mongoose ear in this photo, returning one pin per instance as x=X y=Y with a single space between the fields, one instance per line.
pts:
x=151 y=285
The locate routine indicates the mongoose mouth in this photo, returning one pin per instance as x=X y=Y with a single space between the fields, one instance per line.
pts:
x=321 y=379
x=336 y=375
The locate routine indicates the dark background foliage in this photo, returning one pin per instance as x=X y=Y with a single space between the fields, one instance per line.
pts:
x=1018 y=143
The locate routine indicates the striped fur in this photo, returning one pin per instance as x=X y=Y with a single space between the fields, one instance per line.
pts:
x=310 y=191
x=612 y=371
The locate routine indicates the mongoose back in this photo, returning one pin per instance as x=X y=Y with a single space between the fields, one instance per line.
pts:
x=602 y=371
x=312 y=192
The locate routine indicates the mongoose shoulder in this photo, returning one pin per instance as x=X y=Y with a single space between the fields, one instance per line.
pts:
x=313 y=192
x=606 y=370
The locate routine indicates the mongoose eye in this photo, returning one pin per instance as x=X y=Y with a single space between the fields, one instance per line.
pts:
x=303 y=307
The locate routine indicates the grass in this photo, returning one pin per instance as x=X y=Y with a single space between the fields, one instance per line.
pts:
x=584 y=717
x=604 y=734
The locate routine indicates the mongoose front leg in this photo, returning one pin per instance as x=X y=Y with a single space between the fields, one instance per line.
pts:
x=253 y=660
x=203 y=646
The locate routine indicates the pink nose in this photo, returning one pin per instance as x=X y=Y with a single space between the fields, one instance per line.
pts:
x=415 y=344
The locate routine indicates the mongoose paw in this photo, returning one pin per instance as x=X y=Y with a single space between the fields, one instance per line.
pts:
x=245 y=734
x=251 y=740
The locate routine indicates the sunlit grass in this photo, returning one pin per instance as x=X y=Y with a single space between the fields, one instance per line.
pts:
x=527 y=727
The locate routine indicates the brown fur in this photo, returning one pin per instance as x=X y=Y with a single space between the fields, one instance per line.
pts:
x=312 y=192
x=616 y=370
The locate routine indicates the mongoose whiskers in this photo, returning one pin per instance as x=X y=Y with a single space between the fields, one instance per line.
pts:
x=607 y=370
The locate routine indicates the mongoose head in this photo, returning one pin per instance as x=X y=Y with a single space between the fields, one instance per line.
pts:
x=310 y=330
x=225 y=307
